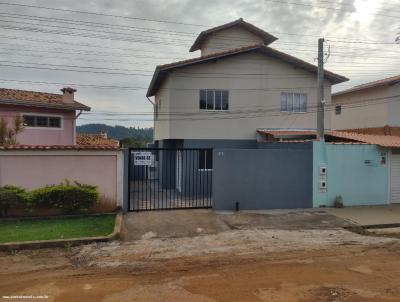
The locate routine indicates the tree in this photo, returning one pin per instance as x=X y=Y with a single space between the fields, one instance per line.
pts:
x=8 y=136
x=132 y=142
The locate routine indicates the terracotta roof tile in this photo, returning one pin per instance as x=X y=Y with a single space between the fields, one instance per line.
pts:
x=57 y=147
x=389 y=141
x=381 y=140
x=95 y=140
x=385 y=130
x=287 y=132
x=37 y=99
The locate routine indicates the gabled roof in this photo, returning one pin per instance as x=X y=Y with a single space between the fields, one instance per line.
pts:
x=37 y=99
x=162 y=70
x=382 y=82
x=266 y=37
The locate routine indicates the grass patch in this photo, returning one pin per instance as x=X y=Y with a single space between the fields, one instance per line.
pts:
x=56 y=228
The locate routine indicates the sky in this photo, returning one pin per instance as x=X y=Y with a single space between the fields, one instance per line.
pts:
x=108 y=50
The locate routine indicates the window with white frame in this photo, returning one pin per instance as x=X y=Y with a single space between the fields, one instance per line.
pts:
x=212 y=99
x=205 y=160
x=42 y=121
x=338 y=109
x=293 y=102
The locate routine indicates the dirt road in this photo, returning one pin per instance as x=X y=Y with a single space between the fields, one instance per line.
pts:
x=237 y=265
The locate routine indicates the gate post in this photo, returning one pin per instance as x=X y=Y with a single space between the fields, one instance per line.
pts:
x=127 y=163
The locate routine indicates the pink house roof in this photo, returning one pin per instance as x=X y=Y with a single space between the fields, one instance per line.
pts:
x=57 y=147
x=37 y=99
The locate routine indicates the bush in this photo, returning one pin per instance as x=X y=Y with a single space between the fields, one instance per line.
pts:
x=66 y=197
x=11 y=197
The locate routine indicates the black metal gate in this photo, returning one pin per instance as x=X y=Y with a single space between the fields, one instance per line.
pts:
x=164 y=179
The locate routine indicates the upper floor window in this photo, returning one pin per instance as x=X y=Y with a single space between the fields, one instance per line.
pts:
x=211 y=99
x=338 y=109
x=293 y=102
x=42 y=121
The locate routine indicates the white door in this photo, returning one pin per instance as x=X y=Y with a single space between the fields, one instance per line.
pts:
x=179 y=170
x=395 y=178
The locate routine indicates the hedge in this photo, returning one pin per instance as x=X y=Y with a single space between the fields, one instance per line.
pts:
x=11 y=197
x=66 y=197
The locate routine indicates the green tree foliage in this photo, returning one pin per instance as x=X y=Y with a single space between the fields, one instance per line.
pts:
x=132 y=142
x=118 y=132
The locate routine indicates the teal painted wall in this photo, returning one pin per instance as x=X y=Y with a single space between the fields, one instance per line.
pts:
x=348 y=175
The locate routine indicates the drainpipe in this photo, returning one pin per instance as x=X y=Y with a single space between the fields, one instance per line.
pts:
x=154 y=116
x=74 y=126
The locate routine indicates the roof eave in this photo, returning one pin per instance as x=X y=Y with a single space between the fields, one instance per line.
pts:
x=332 y=77
x=52 y=106
x=150 y=91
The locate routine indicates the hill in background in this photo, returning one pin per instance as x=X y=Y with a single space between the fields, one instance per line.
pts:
x=118 y=132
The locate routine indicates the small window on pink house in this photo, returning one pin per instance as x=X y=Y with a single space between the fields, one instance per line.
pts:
x=42 y=121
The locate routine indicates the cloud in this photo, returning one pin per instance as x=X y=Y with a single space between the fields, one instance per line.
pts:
x=297 y=26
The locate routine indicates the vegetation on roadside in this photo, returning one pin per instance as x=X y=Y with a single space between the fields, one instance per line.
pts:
x=118 y=132
x=8 y=134
x=55 y=228
x=66 y=197
x=11 y=197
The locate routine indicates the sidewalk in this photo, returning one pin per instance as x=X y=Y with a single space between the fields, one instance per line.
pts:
x=369 y=215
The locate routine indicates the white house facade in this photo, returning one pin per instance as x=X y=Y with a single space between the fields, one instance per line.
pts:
x=237 y=86
x=370 y=105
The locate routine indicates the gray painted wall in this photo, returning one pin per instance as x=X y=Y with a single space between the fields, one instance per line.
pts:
x=220 y=143
x=276 y=177
x=194 y=181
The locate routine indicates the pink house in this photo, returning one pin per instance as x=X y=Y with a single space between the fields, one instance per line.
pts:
x=49 y=119
x=48 y=151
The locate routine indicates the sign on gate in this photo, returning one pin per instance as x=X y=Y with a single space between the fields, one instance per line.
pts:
x=142 y=158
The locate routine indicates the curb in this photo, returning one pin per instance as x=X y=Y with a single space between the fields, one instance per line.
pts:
x=38 y=244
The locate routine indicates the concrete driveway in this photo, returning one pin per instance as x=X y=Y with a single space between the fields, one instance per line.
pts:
x=369 y=215
x=190 y=223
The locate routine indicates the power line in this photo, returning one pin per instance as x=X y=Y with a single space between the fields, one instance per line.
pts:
x=98 y=14
x=329 y=8
x=162 y=21
x=272 y=111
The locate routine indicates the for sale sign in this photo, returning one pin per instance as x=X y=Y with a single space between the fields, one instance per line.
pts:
x=142 y=158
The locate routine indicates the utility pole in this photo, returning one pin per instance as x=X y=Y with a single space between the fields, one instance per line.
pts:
x=320 y=91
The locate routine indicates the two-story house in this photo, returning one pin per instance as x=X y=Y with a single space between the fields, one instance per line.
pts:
x=48 y=118
x=239 y=84
x=371 y=108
